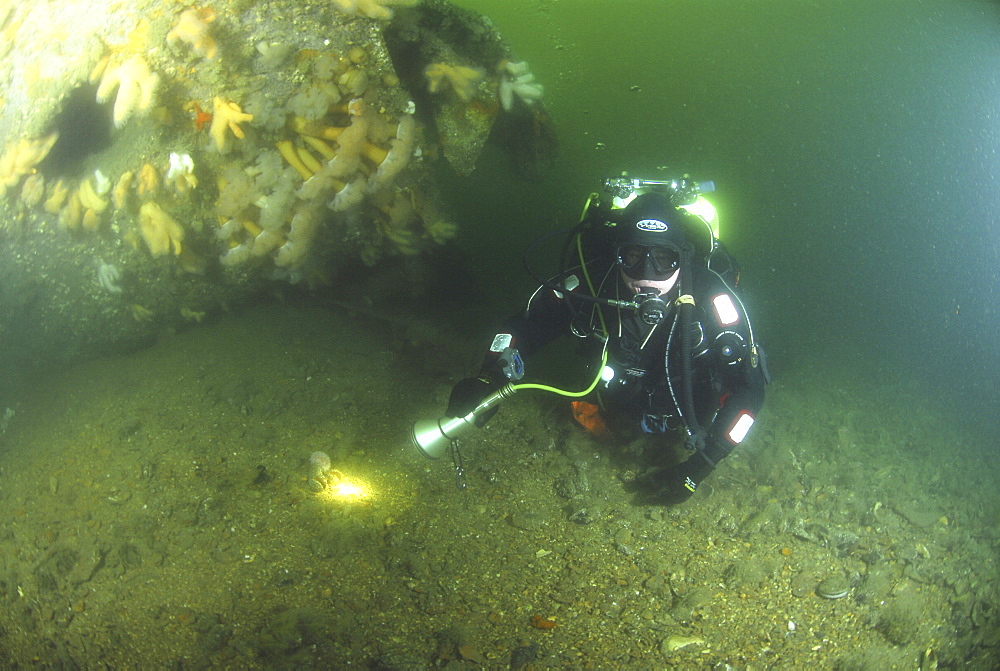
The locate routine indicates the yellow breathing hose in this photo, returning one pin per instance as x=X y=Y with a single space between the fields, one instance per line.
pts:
x=563 y=392
x=604 y=328
x=600 y=314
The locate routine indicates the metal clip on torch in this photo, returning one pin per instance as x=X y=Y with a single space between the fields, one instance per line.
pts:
x=433 y=436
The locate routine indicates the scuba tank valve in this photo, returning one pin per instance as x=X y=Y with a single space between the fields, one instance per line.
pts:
x=684 y=193
x=681 y=191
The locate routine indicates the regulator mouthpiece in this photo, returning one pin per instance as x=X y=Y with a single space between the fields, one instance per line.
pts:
x=651 y=308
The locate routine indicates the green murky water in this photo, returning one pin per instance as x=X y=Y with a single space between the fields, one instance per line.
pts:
x=157 y=507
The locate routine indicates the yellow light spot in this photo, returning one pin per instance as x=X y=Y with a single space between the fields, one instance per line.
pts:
x=342 y=489
x=347 y=489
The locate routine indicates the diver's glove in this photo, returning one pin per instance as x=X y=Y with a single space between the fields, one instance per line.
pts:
x=467 y=394
x=679 y=483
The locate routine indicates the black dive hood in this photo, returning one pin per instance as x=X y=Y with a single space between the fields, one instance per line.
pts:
x=645 y=212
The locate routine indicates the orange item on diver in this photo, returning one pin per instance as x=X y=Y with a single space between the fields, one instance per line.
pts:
x=588 y=416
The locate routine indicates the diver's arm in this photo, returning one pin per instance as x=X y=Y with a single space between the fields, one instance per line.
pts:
x=545 y=319
x=738 y=369
x=730 y=427
x=737 y=413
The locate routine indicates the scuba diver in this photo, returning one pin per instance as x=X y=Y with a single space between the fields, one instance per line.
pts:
x=646 y=283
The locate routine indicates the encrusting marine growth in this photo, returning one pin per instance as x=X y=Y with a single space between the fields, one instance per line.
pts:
x=203 y=151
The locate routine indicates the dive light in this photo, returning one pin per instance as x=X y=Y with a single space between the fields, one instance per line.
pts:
x=434 y=436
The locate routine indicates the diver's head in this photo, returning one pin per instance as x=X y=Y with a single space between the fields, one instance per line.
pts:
x=650 y=237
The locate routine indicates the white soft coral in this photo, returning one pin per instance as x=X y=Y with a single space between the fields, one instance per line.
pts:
x=401 y=149
x=373 y=9
x=136 y=85
x=516 y=80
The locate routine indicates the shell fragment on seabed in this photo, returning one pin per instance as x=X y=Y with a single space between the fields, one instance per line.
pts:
x=834 y=587
x=675 y=643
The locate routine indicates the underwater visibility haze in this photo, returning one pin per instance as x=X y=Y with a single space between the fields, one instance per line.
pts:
x=244 y=246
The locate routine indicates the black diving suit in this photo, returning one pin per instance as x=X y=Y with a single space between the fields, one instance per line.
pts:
x=646 y=384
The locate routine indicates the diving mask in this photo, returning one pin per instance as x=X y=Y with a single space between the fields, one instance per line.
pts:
x=641 y=262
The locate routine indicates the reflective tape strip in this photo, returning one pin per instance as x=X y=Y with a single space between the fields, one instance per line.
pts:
x=725 y=310
x=740 y=428
x=569 y=284
x=501 y=341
